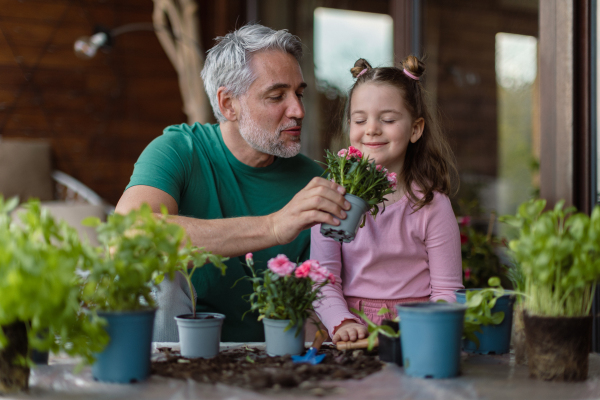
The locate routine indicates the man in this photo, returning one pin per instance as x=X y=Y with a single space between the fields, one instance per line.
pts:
x=240 y=185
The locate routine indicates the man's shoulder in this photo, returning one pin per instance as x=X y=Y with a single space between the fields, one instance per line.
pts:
x=196 y=130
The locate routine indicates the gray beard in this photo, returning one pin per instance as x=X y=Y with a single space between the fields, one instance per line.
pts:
x=266 y=142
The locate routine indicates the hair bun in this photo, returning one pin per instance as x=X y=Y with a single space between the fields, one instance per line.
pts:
x=360 y=65
x=414 y=66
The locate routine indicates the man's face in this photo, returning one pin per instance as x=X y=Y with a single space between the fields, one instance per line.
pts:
x=271 y=111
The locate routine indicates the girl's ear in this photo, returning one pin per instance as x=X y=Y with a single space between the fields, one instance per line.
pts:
x=417 y=130
x=228 y=105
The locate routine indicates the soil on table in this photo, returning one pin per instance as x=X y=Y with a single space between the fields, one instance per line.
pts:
x=251 y=368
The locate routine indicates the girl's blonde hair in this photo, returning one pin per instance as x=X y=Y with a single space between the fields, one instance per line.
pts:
x=429 y=162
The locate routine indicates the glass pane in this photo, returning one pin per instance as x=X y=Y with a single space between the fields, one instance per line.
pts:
x=341 y=37
x=518 y=136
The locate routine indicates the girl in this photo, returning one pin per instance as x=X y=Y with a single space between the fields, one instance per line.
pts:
x=410 y=252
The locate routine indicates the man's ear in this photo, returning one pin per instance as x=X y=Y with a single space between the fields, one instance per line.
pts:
x=417 y=130
x=227 y=104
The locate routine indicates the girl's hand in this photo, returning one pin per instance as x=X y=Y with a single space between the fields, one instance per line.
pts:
x=351 y=331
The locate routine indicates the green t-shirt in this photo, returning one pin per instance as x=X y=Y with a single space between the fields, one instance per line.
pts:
x=192 y=164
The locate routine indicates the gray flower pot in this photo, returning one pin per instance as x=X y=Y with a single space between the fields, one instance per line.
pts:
x=280 y=343
x=200 y=337
x=346 y=230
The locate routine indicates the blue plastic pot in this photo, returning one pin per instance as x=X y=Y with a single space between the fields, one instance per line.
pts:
x=431 y=338
x=126 y=359
x=494 y=339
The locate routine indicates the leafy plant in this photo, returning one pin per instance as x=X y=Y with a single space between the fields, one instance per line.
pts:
x=479 y=309
x=558 y=253
x=137 y=250
x=39 y=283
x=351 y=169
x=375 y=329
x=286 y=291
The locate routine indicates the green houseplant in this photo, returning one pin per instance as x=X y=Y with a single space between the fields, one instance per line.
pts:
x=283 y=297
x=40 y=293
x=137 y=250
x=558 y=254
x=366 y=186
x=199 y=334
x=488 y=319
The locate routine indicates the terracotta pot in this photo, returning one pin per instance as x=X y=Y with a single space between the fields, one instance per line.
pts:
x=558 y=347
x=14 y=377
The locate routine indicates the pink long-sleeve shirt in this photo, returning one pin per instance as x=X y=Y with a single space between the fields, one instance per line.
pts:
x=400 y=254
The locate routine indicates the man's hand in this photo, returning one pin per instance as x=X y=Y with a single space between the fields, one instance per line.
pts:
x=313 y=205
x=351 y=331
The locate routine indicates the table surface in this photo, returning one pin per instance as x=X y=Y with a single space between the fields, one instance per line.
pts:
x=482 y=377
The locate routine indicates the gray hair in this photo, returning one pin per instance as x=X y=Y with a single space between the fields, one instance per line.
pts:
x=228 y=62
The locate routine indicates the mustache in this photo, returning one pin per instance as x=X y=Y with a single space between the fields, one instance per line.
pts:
x=292 y=124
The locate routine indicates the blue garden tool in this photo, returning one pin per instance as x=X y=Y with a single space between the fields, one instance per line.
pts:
x=311 y=356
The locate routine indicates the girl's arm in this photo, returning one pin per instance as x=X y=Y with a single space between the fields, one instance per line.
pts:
x=442 y=240
x=332 y=309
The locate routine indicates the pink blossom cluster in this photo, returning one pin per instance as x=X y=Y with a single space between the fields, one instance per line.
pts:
x=391 y=176
x=282 y=266
x=351 y=152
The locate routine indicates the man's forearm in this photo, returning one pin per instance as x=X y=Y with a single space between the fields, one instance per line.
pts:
x=230 y=237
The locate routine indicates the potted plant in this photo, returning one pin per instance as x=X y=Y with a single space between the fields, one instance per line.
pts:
x=488 y=318
x=558 y=252
x=283 y=297
x=40 y=293
x=137 y=250
x=431 y=338
x=199 y=334
x=386 y=335
x=366 y=186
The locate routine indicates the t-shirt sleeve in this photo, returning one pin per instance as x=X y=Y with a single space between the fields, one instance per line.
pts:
x=443 y=247
x=165 y=163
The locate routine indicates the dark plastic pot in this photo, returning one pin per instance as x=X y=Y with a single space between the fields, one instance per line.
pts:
x=390 y=349
x=200 y=337
x=39 y=357
x=431 y=338
x=126 y=359
x=494 y=339
x=346 y=230
x=13 y=377
x=558 y=347
x=281 y=342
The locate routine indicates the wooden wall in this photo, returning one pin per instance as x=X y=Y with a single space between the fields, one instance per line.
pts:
x=99 y=114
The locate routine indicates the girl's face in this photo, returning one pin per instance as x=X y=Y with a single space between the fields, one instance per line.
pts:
x=381 y=126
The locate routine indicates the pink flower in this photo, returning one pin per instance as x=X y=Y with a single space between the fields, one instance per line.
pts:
x=379 y=167
x=354 y=152
x=281 y=265
x=467 y=273
x=303 y=270
x=248 y=257
x=464 y=221
x=318 y=273
x=391 y=177
x=331 y=279
x=342 y=152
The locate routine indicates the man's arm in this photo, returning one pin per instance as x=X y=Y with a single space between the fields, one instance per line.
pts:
x=233 y=237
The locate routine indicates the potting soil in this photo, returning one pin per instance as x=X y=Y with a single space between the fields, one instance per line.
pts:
x=251 y=368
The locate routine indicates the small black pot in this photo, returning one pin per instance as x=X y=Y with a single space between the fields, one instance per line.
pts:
x=390 y=349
